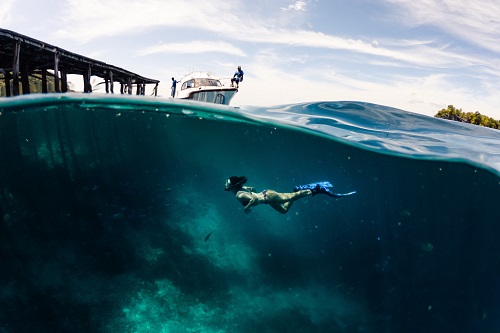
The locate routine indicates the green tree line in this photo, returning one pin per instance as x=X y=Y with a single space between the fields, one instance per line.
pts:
x=452 y=113
x=35 y=85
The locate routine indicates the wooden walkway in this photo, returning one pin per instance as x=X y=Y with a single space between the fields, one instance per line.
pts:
x=22 y=57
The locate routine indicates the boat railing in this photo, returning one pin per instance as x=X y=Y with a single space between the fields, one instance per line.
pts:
x=226 y=81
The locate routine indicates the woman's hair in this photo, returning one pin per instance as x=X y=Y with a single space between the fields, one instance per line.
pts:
x=235 y=181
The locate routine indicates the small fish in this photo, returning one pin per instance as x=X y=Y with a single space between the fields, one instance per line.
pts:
x=208 y=236
x=427 y=247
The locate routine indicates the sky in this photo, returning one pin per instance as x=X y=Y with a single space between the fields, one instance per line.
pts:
x=415 y=55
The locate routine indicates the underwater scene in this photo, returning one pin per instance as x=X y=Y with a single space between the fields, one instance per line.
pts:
x=114 y=218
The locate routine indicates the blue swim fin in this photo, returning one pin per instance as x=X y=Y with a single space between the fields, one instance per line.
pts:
x=312 y=186
x=338 y=195
x=321 y=188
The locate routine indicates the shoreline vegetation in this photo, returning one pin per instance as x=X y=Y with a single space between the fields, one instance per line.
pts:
x=475 y=118
x=35 y=85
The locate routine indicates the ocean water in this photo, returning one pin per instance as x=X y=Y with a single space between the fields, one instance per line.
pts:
x=114 y=218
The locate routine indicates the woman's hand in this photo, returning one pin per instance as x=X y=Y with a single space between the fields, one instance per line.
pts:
x=251 y=203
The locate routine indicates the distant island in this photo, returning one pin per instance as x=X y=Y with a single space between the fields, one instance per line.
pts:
x=451 y=113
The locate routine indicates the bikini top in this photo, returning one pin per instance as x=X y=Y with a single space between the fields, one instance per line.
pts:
x=245 y=202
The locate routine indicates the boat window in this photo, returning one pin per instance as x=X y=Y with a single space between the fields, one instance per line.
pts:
x=205 y=82
x=188 y=84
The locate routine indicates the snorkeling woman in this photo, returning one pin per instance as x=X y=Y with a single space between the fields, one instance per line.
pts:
x=282 y=202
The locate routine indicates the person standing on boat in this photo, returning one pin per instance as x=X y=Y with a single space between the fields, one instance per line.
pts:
x=174 y=85
x=281 y=202
x=237 y=77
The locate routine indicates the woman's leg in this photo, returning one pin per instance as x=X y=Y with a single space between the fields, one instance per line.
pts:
x=282 y=202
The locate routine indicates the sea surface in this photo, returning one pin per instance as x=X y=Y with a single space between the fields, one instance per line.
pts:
x=114 y=218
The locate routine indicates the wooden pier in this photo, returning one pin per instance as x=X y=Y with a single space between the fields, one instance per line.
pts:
x=22 y=58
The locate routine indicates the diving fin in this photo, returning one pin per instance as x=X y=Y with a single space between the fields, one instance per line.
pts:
x=312 y=186
x=321 y=188
x=338 y=195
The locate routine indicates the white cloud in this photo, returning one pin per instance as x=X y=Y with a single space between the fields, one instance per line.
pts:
x=193 y=47
x=476 y=21
x=415 y=53
x=5 y=12
x=299 y=5
x=90 y=19
x=94 y=18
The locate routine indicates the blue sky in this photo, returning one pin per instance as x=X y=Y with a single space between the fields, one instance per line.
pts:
x=417 y=55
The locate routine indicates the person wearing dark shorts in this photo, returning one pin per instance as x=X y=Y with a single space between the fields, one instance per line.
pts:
x=237 y=77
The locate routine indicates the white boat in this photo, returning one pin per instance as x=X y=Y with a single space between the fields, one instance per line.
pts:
x=205 y=87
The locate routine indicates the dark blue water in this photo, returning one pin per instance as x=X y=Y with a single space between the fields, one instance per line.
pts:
x=106 y=205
